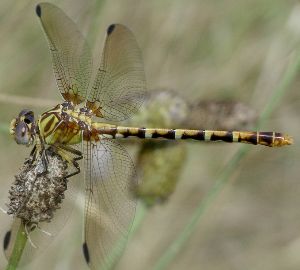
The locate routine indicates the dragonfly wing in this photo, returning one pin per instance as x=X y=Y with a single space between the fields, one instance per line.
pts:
x=71 y=56
x=119 y=88
x=110 y=205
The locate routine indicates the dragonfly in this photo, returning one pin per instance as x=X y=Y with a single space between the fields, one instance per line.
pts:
x=83 y=126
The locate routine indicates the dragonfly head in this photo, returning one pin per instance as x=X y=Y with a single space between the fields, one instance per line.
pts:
x=23 y=127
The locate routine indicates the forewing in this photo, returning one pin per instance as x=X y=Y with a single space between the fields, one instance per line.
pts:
x=119 y=88
x=71 y=56
x=110 y=205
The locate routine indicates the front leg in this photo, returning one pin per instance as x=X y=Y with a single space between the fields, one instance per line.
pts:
x=40 y=151
x=32 y=156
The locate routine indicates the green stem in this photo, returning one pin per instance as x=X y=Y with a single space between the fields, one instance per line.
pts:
x=19 y=246
x=230 y=168
x=139 y=217
x=288 y=77
x=176 y=246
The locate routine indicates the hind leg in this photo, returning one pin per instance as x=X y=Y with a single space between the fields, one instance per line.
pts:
x=71 y=155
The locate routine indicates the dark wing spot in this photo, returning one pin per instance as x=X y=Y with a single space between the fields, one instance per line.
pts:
x=110 y=29
x=86 y=253
x=6 y=240
x=38 y=10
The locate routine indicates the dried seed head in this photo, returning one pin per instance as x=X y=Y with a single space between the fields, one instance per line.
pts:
x=38 y=191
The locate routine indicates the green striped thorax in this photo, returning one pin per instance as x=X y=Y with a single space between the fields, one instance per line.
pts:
x=60 y=124
x=63 y=124
x=23 y=128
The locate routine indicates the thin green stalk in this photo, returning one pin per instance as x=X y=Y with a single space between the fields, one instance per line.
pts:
x=223 y=179
x=229 y=169
x=21 y=239
x=139 y=217
x=288 y=77
x=95 y=14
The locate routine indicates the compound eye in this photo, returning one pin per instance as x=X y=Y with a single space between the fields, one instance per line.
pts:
x=22 y=135
x=27 y=121
x=29 y=117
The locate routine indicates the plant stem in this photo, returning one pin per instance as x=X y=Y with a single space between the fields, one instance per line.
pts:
x=21 y=239
x=288 y=77
x=224 y=177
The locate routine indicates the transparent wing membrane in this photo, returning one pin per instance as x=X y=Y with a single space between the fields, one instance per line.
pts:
x=119 y=88
x=109 y=174
x=71 y=56
x=110 y=206
x=117 y=93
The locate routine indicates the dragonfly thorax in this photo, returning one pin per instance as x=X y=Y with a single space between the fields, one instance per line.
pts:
x=65 y=124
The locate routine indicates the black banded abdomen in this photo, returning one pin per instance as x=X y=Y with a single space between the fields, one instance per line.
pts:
x=251 y=137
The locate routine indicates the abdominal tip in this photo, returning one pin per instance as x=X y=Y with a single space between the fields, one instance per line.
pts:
x=288 y=140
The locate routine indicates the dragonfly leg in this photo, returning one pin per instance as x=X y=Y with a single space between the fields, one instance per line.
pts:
x=28 y=236
x=32 y=156
x=64 y=151
x=39 y=148
x=2 y=210
x=43 y=231
x=42 y=150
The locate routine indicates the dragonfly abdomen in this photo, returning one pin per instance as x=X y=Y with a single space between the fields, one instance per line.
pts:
x=252 y=137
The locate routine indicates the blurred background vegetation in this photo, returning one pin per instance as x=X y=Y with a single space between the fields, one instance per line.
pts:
x=203 y=50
